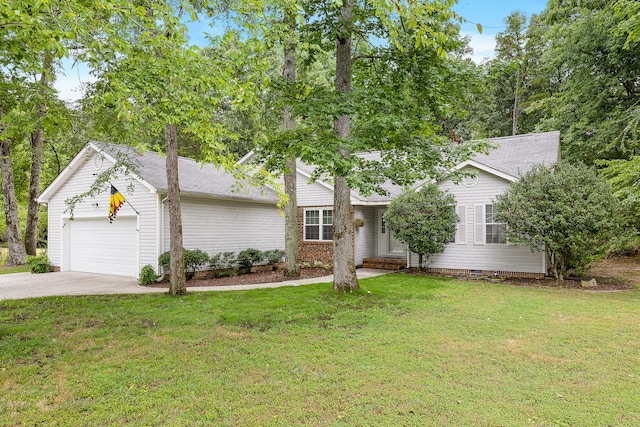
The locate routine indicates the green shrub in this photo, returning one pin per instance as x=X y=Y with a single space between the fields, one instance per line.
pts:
x=320 y=264
x=249 y=257
x=222 y=260
x=230 y=272
x=193 y=260
x=222 y=264
x=38 y=264
x=274 y=257
x=147 y=275
x=568 y=211
x=424 y=219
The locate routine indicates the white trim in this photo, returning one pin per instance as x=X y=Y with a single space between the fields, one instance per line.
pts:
x=492 y=224
x=64 y=243
x=485 y=168
x=320 y=224
x=383 y=240
x=113 y=160
x=247 y=157
x=64 y=175
x=159 y=231
x=361 y=203
x=192 y=195
x=75 y=163
x=65 y=254
x=67 y=215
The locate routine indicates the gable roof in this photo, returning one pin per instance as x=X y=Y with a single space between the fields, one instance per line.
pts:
x=516 y=155
x=196 y=179
x=511 y=157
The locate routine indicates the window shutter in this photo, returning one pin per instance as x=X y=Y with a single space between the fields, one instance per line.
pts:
x=478 y=220
x=462 y=225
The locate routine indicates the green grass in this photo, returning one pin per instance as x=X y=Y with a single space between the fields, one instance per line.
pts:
x=4 y=254
x=405 y=350
x=10 y=270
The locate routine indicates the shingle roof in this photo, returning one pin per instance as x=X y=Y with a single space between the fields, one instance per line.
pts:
x=517 y=154
x=195 y=178
x=512 y=155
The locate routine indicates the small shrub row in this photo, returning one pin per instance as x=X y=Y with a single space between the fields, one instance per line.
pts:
x=223 y=263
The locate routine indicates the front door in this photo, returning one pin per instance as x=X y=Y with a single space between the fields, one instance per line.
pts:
x=388 y=245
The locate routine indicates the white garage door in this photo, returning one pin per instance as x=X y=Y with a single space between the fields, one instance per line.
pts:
x=96 y=246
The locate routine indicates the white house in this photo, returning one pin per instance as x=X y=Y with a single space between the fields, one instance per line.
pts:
x=215 y=217
x=479 y=246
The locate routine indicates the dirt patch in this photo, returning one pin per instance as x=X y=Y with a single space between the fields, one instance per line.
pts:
x=252 y=278
x=619 y=273
x=603 y=283
x=626 y=269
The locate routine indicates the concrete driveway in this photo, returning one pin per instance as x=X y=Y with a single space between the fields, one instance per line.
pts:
x=27 y=285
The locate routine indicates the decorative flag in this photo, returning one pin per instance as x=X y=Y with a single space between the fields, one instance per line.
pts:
x=115 y=202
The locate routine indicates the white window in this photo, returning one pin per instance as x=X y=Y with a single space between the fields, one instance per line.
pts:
x=495 y=232
x=485 y=228
x=318 y=224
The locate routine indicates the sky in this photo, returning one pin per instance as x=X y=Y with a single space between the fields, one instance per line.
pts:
x=489 y=13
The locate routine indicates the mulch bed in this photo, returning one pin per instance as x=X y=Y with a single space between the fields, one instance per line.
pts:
x=267 y=276
x=613 y=274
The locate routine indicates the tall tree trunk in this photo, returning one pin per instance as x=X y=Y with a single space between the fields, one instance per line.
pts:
x=344 y=270
x=291 y=249
x=37 y=140
x=17 y=254
x=516 y=104
x=178 y=280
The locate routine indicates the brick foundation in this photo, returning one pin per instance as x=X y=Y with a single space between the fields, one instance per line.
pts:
x=481 y=273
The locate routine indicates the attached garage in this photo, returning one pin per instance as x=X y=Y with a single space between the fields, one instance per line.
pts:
x=94 y=245
x=215 y=216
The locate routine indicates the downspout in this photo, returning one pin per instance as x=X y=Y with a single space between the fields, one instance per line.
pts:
x=161 y=278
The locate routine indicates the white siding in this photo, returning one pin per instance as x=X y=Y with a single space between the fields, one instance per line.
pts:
x=215 y=225
x=314 y=194
x=365 y=237
x=474 y=254
x=141 y=198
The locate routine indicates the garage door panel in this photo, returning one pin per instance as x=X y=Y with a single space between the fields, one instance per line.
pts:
x=97 y=246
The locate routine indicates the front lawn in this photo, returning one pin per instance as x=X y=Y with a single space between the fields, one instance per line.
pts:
x=17 y=269
x=406 y=350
